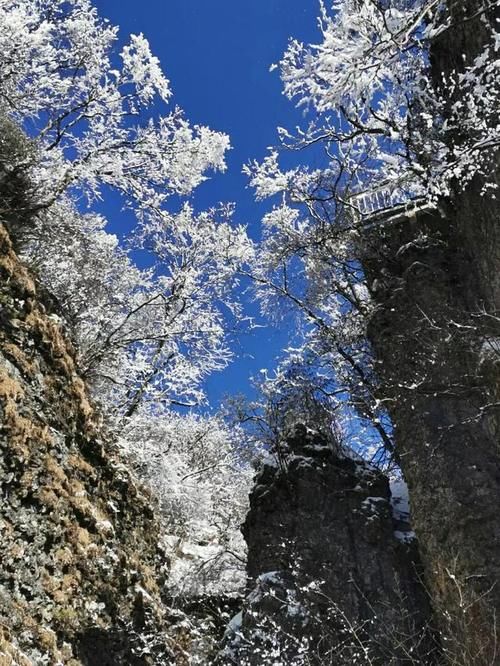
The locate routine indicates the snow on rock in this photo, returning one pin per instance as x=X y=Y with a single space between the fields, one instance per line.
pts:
x=400 y=505
x=310 y=519
x=400 y=501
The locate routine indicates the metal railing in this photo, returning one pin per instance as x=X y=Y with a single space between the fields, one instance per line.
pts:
x=385 y=196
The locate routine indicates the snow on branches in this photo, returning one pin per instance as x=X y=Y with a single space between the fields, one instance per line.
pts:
x=152 y=335
x=90 y=110
x=81 y=118
x=201 y=477
x=388 y=129
x=96 y=120
x=376 y=109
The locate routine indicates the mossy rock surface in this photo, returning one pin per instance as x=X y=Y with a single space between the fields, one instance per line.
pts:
x=82 y=571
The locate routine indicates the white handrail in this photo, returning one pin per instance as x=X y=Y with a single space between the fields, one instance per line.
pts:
x=384 y=196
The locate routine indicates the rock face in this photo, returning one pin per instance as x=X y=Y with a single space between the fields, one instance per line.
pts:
x=436 y=335
x=81 y=570
x=328 y=582
x=443 y=394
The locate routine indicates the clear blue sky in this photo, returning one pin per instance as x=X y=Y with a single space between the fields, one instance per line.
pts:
x=217 y=54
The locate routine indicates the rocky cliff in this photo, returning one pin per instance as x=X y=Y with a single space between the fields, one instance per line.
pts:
x=435 y=331
x=443 y=398
x=329 y=581
x=82 y=570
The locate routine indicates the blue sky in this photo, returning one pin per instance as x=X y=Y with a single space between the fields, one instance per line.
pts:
x=217 y=55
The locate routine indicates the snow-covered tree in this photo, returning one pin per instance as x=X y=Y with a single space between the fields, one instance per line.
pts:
x=97 y=116
x=201 y=474
x=387 y=132
x=377 y=112
x=79 y=119
x=95 y=119
x=306 y=268
x=145 y=335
